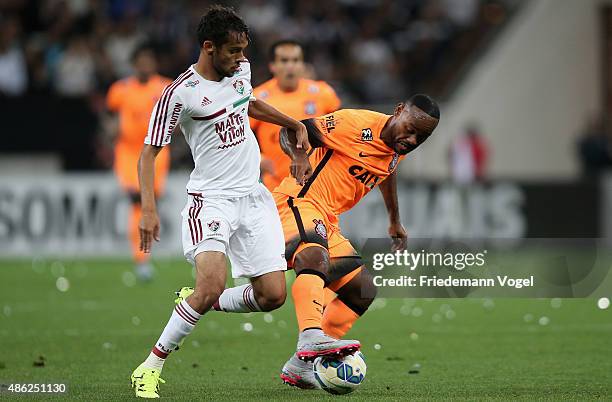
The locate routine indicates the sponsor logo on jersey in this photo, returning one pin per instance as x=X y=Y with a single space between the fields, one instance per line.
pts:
x=205 y=101
x=313 y=89
x=361 y=174
x=176 y=112
x=366 y=134
x=363 y=154
x=393 y=163
x=310 y=108
x=231 y=130
x=192 y=84
x=264 y=95
x=328 y=124
x=214 y=225
x=320 y=228
x=239 y=86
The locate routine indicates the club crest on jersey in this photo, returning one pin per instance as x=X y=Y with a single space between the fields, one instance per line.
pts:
x=366 y=134
x=239 y=87
x=320 y=228
x=310 y=108
x=205 y=101
x=214 y=225
x=313 y=89
x=192 y=84
x=393 y=163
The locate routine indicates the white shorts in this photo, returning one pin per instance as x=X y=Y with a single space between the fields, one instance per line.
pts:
x=248 y=229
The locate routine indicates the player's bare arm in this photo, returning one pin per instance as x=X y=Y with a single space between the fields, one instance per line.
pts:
x=149 y=223
x=388 y=189
x=260 y=110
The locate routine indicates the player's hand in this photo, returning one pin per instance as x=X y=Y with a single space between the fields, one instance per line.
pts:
x=301 y=169
x=149 y=230
x=301 y=136
x=267 y=167
x=399 y=237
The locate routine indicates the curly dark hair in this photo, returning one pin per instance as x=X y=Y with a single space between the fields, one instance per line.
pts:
x=217 y=24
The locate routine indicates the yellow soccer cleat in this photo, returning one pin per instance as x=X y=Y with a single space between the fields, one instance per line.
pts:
x=145 y=382
x=182 y=293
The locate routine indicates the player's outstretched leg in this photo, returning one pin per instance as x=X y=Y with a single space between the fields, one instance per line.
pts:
x=311 y=265
x=353 y=290
x=210 y=281
x=356 y=292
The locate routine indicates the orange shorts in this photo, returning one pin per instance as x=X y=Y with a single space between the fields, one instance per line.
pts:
x=126 y=168
x=306 y=224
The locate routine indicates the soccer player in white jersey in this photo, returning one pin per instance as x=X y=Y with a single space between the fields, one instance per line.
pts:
x=228 y=211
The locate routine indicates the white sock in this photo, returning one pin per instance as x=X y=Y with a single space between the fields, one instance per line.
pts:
x=181 y=323
x=239 y=299
x=154 y=362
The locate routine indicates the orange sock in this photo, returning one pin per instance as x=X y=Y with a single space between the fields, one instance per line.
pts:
x=307 y=293
x=328 y=296
x=338 y=319
x=134 y=234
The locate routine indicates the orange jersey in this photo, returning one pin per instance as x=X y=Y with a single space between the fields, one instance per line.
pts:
x=134 y=101
x=311 y=98
x=351 y=162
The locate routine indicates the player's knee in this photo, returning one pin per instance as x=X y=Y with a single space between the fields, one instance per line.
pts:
x=272 y=300
x=312 y=258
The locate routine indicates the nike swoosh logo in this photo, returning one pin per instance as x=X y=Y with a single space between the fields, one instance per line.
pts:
x=361 y=154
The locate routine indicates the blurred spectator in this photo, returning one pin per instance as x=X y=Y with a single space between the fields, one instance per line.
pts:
x=75 y=71
x=469 y=156
x=13 y=71
x=122 y=43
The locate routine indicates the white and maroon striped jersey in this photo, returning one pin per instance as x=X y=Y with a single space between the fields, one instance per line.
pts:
x=214 y=119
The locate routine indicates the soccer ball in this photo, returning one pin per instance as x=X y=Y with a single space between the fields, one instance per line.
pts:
x=340 y=375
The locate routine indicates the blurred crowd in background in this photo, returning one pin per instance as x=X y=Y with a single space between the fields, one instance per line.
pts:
x=375 y=51
x=370 y=51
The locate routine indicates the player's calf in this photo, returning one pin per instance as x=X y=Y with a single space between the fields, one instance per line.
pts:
x=359 y=293
x=269 y=290
x=210 y=280
x=353 y=300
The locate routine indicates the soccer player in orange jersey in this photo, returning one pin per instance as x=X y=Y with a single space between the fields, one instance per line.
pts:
x=353 y=152
x=293 y=95
x=133 y=99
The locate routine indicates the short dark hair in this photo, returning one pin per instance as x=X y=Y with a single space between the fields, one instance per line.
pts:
x=283 y=42
x=217 y=24
x=426 y=104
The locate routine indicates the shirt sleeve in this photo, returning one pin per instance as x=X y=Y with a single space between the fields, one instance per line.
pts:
x=115 y=96
x=167 y=114
x=334 y=130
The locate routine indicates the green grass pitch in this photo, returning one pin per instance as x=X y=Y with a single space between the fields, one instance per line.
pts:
x=96 y=331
